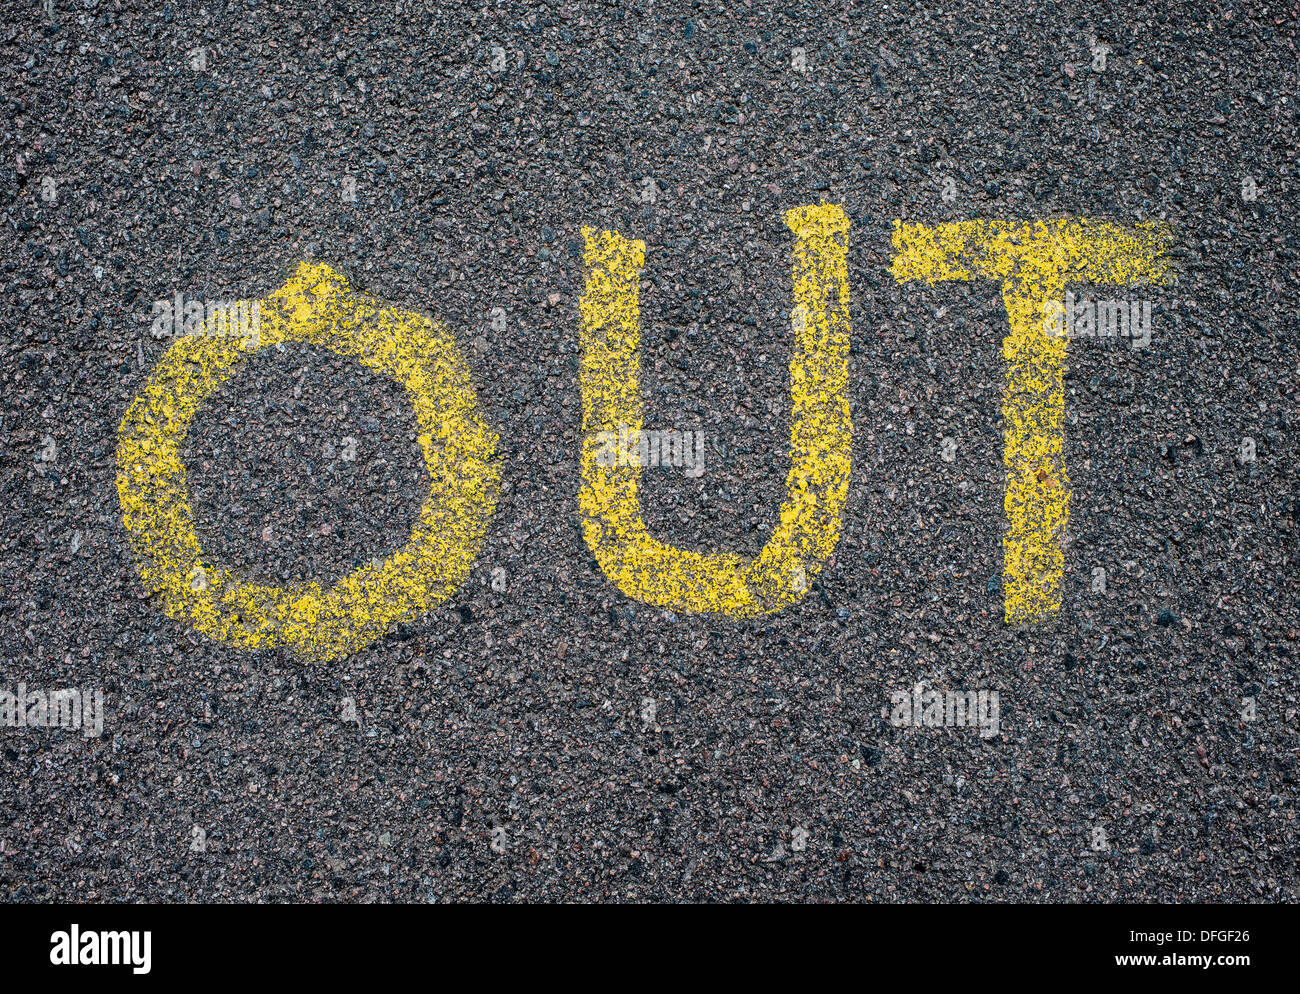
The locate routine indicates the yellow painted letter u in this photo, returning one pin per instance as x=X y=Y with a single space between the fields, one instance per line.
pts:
x=820 y=432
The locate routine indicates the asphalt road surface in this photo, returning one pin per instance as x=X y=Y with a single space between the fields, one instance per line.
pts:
x=540 y=733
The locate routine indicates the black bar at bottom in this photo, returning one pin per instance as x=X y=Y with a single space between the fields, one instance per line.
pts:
x=335 y=943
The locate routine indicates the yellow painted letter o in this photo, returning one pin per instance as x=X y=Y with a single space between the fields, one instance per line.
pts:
x=316 y=306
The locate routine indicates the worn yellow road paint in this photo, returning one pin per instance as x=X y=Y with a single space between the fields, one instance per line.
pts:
x=1033 y=261
x=818 y=480
x=315 y=306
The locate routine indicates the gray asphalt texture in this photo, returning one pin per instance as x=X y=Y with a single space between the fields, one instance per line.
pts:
x=504 y=749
